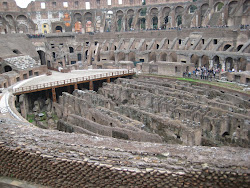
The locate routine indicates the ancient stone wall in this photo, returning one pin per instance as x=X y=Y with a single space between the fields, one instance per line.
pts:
x=58 y=159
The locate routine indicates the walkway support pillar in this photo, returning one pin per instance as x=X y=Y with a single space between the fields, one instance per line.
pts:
x=91 y=85
x=54 y=94
x=108 y=80
x=75 y=86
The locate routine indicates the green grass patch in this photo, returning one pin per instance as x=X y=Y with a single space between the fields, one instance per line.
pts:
x=31 y=118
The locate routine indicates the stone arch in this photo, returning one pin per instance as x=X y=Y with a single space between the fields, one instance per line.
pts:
x=216 y=62
x=121 y=56
x=246 y=5
x=226 y=47
x=155 y=22
x=195 y=60
x=152 y=57
x=165 y=16
x=218 y=6
x=173 y=57
x=179 y=10
x=88 y=20
x=142 y=23
x=42 y=57
x=21 y=18
x=58 y=29
x=242 y=64
x=231 y=7
x=205 y=61
x=131 y=56
x=163 y=56
x=119 y=15
x=191 y=9
x=77 y=17
x=130 y=19
x=7 y=68
x=229 y=64
x=179 y=20
x=22 y=28
x=239 y=47
x=204 y=8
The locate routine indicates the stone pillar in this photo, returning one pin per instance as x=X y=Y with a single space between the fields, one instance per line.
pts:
x=199 y=61
x=54 y=94
x=108 y=80
x=223 y=65
x=91 y=85
x=211 y=63
x=75 y=86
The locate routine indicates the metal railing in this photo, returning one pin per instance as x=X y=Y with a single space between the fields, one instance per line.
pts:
x=71 y=81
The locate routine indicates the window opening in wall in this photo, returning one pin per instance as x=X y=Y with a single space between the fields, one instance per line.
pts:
x=215 y=41
x=168 y=41
x=54 y=4
x=65 y=4
x=87 y=43
x=87 y=5
x=96 y=43
x=25 y=76
x=43 y=5
x=61 y=44
x=119 y=2
x=141 y=60
x=109 y=2
x=179 y=41
x=79 y=57
x=192 y=9
x=71 y=50
x=203 y=41
x=5 y=5
x=17 y=79
x=157 y=46
x=4 y=85
x=16 y=52
x=76 y=3
x=73 y=62
x=36 y=73
x=30 y=73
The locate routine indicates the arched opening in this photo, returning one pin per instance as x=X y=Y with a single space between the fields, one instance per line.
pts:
x=231 y=7
x=155 y=22
x=205 y=61
x=54 y=55
x=7 y=68
x=166 y=19
x=229 y=64
x=195 y=60
x=204 y=9
x=246 y=6
x=163 y=57
x=42 y=57
x=119 y=25
x=130 y=20
x=192 y=9
x=71 y=50
x=143 y=24
x=121 y=56
x=179 y=20
x=216 y=61
x=86 y=54
x=152 y=56
x=58 y=29
x=242 y=64
x=79 y=57
x=226 y=47
x=239 y=47
x=16 y=51
x=173 y=57
x=218 y=6
x=131 y=56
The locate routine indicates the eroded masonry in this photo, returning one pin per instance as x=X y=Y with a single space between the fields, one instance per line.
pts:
x=93 y=95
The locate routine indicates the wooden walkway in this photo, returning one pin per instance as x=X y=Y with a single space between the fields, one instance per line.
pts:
x=73 y=81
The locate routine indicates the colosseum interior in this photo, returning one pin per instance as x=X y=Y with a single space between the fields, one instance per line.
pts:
x=125 y=93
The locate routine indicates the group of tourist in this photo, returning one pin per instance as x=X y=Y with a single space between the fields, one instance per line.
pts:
x=244 y=26
x=202 y=73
